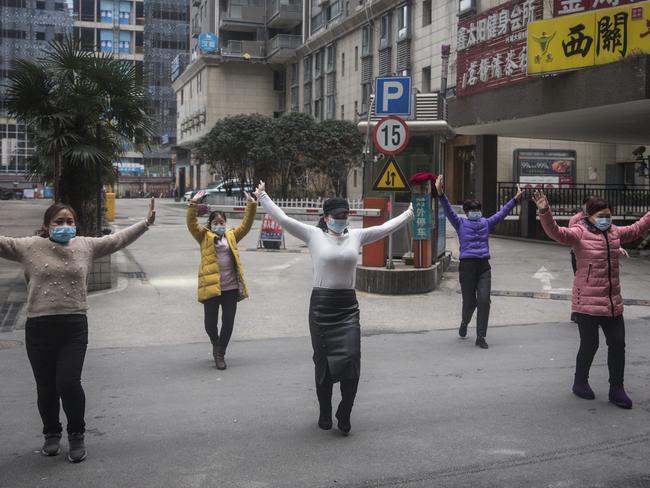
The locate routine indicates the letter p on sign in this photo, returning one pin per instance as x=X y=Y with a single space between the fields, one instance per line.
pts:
x=393 y=96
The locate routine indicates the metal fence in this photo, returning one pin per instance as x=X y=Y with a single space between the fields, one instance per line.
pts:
x=624 y=200
x=235 y=201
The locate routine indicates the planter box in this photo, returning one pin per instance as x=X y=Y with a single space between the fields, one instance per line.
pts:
x=100 y=276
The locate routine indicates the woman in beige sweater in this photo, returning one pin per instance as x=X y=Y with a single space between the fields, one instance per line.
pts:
x=56 y=265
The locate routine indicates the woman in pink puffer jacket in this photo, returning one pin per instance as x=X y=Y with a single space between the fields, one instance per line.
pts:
x=596 y=289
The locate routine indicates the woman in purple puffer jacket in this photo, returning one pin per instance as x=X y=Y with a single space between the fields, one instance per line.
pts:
x=474 y=271
x=597 y=297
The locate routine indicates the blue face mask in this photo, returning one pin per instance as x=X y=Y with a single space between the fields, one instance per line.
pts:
x=218 y=229
x=337 y=225
x=474 y=215
x=603 y=223
x=63 y=233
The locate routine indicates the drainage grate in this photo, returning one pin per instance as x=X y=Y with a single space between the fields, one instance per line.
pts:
x=8 y=314
x=141 y=275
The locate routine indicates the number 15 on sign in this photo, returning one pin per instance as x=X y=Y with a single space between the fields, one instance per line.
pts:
x=391 y=135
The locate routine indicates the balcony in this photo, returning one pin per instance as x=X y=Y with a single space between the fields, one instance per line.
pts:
x=282 y=47
x=236 y=49
x=243 y=18
x=284 y=14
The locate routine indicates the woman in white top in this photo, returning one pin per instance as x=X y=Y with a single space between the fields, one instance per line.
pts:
x=333 y=308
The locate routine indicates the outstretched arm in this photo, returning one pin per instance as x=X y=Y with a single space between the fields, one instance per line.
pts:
x=292 y=226
x=632 y=232
x=506 y=209
x=249 y=217
x=9 y=248
x=449 y=212
x=114 y=242
x=378 y=232
x=569 y=236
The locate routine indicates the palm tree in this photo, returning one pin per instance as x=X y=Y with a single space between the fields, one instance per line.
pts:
x=82 y=110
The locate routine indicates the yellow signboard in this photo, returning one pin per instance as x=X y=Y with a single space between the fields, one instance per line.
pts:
x=391 y=178
x=596 y=37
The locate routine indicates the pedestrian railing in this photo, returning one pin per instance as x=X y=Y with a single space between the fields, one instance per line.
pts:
x=625 y=200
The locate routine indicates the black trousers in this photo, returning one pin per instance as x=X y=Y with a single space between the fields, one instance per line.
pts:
x=56 y=348
x=228 y=303
x=475 y=277
x=614 y=330
x=348 y=394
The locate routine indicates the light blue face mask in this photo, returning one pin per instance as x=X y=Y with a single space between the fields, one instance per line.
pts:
x=474 y=215
x=337 y=226
x=603 y=223
x=218 y=229
x=63 y=233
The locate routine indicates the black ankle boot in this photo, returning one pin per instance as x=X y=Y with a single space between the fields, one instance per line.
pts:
x=325 y=419
x=343 y=417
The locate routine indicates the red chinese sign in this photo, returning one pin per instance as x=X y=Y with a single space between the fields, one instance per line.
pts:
x=567 y=7
x=491 y=46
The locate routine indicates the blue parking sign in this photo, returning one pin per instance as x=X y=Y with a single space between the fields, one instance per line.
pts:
x=393 y=95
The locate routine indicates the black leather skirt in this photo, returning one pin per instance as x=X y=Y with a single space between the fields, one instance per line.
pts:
x=335 y=333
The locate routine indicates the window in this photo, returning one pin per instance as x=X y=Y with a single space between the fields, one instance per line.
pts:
x=182 y=95
x=58 y=37
x=14 y=34
x=318 y=64
x=329 y=52
x=403 y=22
x=426 y=79
x=342 y=112
x=384 y=31
x=365 y=97
x=356 y=58
x=342 y=64
x=295 y=73
x=14 y=3
x=306 y=72
x=365 y=40
x=40 y=36
x=40 y=5
x=426 y=13
x=278 y=80
x=356 y=110
x=331 y=107
x=60 y=7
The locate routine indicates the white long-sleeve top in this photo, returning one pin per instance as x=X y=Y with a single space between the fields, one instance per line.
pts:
x=334 y=258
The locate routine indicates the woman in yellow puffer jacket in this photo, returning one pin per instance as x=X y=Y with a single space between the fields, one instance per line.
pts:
x=221 y=275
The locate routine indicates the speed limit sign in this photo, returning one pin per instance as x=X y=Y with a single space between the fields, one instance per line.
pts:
x=391 y=135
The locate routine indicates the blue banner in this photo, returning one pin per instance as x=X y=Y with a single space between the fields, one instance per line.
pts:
x=422 y=219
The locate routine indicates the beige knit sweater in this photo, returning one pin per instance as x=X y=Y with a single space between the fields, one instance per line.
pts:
x=56 y=274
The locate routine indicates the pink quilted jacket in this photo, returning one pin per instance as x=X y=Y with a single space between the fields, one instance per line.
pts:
x=596 y=286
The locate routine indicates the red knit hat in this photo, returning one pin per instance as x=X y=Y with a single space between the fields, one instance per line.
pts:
x=422 y=178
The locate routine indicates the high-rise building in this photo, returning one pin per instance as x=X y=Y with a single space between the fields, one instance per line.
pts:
x=25 y=30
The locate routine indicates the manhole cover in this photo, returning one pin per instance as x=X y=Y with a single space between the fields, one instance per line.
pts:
x=10 y=344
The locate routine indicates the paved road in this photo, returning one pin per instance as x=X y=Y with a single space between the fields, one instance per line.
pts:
x=433 y=410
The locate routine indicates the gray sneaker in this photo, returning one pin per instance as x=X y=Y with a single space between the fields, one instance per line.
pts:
x=77 y=451
x=51 y=445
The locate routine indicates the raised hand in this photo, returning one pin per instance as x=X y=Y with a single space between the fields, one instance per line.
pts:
x=198 y=197
x=249 y=197
x=540 y=199
x=151 y=215
x=260 y=188
x=520 y=193
x=439 y=185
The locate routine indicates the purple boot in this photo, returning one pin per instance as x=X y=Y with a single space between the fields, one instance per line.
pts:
x=583 y=390
x=618 y=396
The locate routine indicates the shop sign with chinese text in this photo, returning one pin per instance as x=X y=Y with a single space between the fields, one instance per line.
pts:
x=491 y=46
x=568 y=7
x=588 y=39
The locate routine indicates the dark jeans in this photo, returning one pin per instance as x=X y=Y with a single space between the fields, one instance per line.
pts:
x=348 y=394
x=228 y=303
x=614 y=330
x=476 y=283
x=56 y=347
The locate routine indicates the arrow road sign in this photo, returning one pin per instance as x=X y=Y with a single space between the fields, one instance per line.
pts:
x=391 y=178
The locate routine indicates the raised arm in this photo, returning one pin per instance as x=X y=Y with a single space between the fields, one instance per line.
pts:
x=569 y=236
x=449 y=212
x=249 y=217
x=502 y=213
x=629 y=233
x=114 y=242
x=191 y=220
x=292 y=226
x=378 y=232
x=9 y=248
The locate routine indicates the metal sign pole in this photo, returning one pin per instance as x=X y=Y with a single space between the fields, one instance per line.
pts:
x=390 y=236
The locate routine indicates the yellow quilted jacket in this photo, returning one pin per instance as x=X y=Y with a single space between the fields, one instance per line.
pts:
x=209 y=280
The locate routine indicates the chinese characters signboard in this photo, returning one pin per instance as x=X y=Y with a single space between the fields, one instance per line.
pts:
x=597 y=37
x=567 y=7
x=491 y=46
x=534 y=167
x=422 y=220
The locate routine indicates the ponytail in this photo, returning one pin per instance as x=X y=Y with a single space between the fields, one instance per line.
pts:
x=322 y=225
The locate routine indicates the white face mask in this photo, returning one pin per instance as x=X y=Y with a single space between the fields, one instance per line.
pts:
x=337 y=226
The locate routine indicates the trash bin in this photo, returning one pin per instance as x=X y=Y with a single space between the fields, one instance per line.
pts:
x=109 y=199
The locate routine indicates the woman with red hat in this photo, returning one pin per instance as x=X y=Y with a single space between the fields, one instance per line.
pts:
x=333 y=308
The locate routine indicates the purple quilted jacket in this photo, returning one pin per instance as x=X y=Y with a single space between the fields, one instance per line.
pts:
x=474 y=235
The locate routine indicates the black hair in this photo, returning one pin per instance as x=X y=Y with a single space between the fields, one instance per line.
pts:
x=471 y=204
x=586 y=199
x=596 y=204
x=52 y=212
x=217 y=213
x=322 y=225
